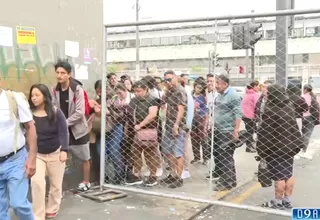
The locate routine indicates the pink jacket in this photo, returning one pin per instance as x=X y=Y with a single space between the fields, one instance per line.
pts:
x=249 y=102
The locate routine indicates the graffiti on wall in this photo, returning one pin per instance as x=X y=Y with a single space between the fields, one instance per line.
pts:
x=21 y=67
x=24 y=65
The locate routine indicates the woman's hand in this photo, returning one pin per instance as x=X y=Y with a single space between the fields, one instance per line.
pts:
x=63 y=156
x=137 y=127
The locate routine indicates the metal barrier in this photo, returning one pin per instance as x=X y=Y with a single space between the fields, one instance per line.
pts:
x=153 y=148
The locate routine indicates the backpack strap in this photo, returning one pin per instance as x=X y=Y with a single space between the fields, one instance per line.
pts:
x=14 y=115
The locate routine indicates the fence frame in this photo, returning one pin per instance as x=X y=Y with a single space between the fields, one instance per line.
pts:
x=103 y=104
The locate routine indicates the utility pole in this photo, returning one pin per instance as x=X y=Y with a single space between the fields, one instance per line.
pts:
x=253 y=52
x=137 y=76
x=215 y=46
x=282 y=43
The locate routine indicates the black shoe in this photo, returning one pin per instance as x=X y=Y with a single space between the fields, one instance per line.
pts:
x=215 y=176
x=151 y=181
x=273 y=205
x=195 y=161
x=251 y=150
x=133 y=180
x=287 y=204
x=168 y=180
x=220 y=188
x=178 y=182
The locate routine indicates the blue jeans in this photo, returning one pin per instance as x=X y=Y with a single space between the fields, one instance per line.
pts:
x=113 y=150
x=14 y=183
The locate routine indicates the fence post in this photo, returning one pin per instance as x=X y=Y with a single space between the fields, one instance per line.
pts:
x=103 y=109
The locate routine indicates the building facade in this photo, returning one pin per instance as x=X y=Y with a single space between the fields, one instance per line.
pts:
x=186 y=48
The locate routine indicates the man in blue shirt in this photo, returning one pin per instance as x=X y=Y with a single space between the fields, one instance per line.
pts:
x=227 y=119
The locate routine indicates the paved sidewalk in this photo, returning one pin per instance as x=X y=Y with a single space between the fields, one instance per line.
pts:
x=133 y=207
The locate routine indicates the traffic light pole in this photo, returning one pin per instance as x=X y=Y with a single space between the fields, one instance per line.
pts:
x=282 y=43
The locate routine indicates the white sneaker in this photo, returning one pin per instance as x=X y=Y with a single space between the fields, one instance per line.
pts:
x=83 y=187
x=297 y=157
x=185 y=174
x=159 y=172
x=306 y=155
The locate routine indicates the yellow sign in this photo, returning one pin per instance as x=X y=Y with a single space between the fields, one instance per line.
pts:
x=26 y=35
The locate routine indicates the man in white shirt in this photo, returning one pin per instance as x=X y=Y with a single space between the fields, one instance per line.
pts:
x=211 y=96
x=17 y=165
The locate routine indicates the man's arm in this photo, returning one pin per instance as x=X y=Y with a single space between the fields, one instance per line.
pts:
x=79 y=109
x=26 y=118
x=183 y=100
x=236 y=103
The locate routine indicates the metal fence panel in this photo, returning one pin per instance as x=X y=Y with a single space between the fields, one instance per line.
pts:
x=152 y=149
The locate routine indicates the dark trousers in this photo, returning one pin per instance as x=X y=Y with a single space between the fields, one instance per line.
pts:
x=199 y=138
x=224 y=159
x=250 y=127
x=207 y=147
x=308 y=124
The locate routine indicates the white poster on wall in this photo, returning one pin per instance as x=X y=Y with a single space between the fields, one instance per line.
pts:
x=71 y=48
x=6 y=37
x=81 y=72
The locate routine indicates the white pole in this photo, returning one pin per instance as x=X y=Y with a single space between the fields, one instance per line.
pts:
x=103 y=109
x=137 y=75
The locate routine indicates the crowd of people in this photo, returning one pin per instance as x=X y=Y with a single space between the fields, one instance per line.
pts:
x=149 y=121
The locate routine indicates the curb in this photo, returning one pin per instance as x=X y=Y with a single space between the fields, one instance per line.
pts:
x=221 y=198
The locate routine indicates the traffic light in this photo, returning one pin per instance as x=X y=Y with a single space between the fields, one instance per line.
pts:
x=241 y=70
x=215 y=59
x=237 y=37
x=251 y=37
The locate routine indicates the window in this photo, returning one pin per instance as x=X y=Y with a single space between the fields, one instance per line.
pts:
x=224 y=37
x=296 y=32
x=121 y=44
x=111 y=44
x=131 y=43
x=146 y=42
x=164 y=41
x=156 y=41
x=185 y=39
x=207 y=38
x=170 y=40
x=310 y=31
x=305 y=58
x=270 y=34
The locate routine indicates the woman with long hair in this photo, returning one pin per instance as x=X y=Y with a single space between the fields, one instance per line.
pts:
x=248 y=106
x=127 y=83
x=310 y=119
x=199 y=127
x=279 y=140
x=53 y=143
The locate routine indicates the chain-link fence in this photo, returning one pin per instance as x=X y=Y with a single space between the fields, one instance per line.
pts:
x=213 y=109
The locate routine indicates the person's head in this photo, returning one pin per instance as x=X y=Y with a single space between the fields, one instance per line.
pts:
x=307 y=88
x=199 y=88
x=222 y=83
x=294 y=90
x=128 y=84
x=121 y=90
x=124 y=77
x=254 y=85
x=171 y=79
x=184 y=79
x=98 y=87
x=112 y=78
x=210 y=82
x=140 y=89
x=63 y=71
x=158 y=80
x=266 y=84
x=277 y=94
x=150 y=82
x=40 y=98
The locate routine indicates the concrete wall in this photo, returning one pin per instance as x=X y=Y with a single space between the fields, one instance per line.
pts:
x=55 y=21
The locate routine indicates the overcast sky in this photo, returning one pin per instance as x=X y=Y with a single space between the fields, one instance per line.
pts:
x=123 y=10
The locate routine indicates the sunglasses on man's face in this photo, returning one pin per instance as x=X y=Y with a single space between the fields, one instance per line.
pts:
x=168 y=80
